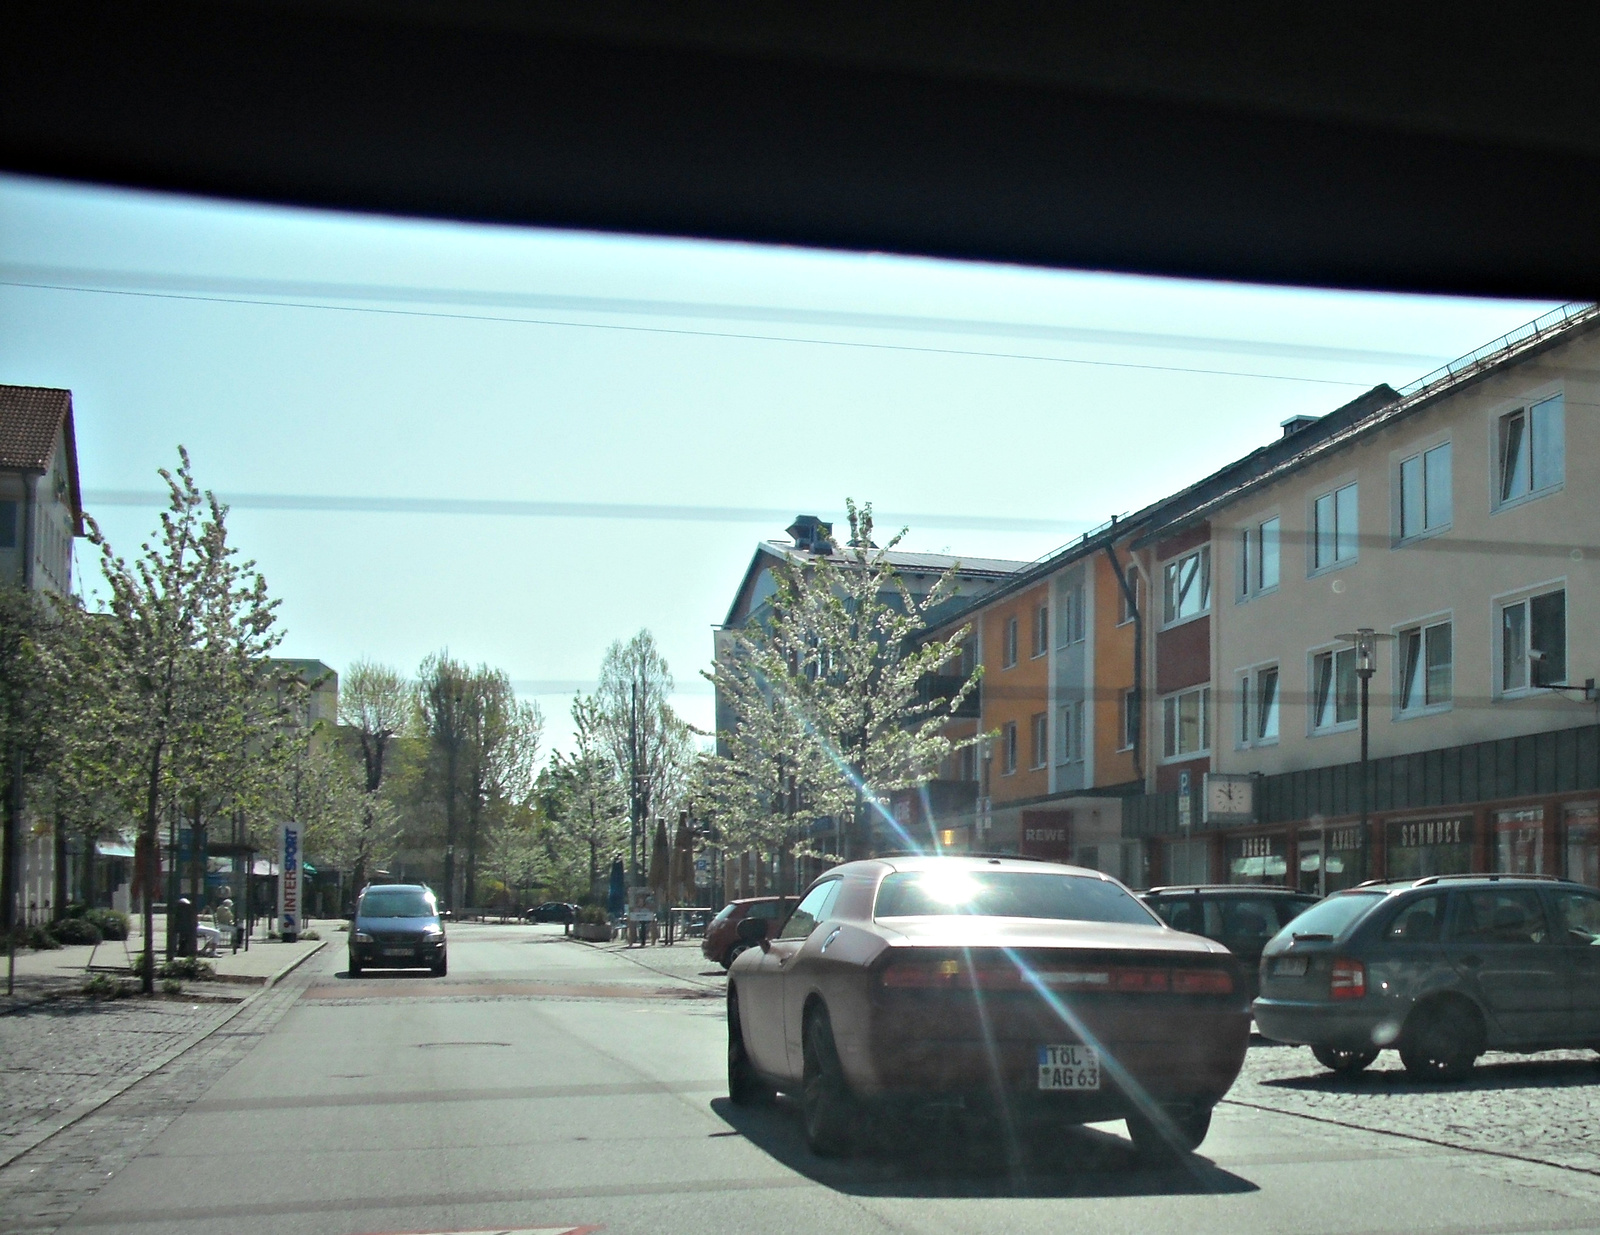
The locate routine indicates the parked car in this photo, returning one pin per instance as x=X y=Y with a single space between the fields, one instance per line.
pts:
x=397 y=926
x=551 y=911
x=722 y=943
x=1241 y=917
x=1023 y=989
x=1442 y=968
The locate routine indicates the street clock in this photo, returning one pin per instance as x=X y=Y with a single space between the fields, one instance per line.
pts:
x=1228 y=797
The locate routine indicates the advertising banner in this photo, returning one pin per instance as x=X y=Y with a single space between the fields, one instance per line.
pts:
x=289 y=882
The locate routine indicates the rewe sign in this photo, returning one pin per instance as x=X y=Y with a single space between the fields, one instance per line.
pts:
x=289 y=882
x=1047 y=834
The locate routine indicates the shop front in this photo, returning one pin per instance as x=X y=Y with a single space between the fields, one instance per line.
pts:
x=1439 y=846
x=1329 y=859
x=1262 y=858
x=1581 y=842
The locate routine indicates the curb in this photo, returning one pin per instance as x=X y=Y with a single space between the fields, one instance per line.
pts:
x=88 y=1105
x=264 y=981
x=283 y=973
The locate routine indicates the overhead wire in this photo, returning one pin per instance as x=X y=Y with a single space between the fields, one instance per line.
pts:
x=684 y=332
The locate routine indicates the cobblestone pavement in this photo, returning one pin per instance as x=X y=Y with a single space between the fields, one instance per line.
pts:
x=45 y=1186
x=1538 y=1108
x=60 y=1055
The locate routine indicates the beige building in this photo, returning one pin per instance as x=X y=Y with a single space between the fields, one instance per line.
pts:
x=1453 y=522
x=40 y=515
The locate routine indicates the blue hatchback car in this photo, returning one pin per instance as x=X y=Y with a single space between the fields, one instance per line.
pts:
x=397 y=926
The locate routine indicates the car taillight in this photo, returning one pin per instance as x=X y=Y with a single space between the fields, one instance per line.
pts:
x=912 y=973
x=1348 y=980
x=949 y=974
x=1202 y=982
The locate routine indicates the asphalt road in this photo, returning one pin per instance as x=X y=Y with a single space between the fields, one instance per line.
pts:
x=548 y=1084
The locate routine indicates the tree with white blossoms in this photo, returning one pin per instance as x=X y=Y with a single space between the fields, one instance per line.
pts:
x=189 y=634
x=826 y=689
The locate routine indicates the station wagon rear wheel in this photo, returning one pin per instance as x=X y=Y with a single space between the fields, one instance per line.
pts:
x=1339 y=1059
x=1441 y=1042
x=830 y=1109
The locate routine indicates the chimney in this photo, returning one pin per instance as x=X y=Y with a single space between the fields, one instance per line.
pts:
x=1295 y=423
x=811 y=534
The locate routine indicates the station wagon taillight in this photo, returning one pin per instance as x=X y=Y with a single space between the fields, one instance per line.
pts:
x=1348 y=980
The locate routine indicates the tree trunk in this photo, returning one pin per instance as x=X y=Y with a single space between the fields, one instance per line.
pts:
x=13 y=832
x=59 y=894
x=147 y=976
x=86 y=875
x=470 y=882
x=450 y=831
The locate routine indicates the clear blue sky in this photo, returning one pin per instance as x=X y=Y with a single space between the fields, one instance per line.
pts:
x=609 y=400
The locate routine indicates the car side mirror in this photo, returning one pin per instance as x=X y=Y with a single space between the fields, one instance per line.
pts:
x=752 y=932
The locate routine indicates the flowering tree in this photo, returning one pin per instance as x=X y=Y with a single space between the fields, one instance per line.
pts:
x=826 y=689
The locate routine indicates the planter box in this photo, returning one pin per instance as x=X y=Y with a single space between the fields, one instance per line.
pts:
x=592 y=932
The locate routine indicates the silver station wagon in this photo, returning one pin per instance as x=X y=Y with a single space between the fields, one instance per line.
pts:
x=1442 y=969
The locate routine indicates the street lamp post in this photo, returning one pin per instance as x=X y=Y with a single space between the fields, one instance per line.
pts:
x=1365 y=640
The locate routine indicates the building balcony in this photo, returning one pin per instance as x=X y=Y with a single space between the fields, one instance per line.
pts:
x=942 y=687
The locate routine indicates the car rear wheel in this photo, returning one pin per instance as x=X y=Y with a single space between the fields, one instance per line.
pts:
x=829 y=1108
x=1441 y=1042
x=1180 y=1133
x=1339 y=1059
x=745 y=1086
x=733 y=954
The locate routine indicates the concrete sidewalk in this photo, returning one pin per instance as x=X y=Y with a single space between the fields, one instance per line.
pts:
x=63 y=971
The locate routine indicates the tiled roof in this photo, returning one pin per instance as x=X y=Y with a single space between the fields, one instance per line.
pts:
x=30 y=418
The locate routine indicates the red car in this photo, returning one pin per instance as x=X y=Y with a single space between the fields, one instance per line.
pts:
x=1021 y=989
x=722 y=943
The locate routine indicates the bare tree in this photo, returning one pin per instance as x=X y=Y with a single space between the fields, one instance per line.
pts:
x=649 y=742
x=375 y=703
x=444 y=695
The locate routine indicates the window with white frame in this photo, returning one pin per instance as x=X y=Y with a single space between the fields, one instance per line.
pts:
x=1258 y=557
x=1425 y=504
x=1188 y=586
x=1258 y=706
x=1333 y=689
x=1427 y=666
x=1533 y=641
x=1334 y=528
x=1009 y=753
x=1125 y=606
x=1069 y=722
x=1011 y=642
x=1130 y=719
x=1041 y=738
x=1531 y=449
x=1041 y=629
x=1186 y=723
x=1070 y=623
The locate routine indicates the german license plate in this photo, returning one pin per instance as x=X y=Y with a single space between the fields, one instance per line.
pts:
x=1069 y=1067
x=397 y=951
x=1290 y=966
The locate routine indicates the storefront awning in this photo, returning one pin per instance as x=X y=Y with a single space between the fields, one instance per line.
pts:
x=113 y=849
x=308 y=868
